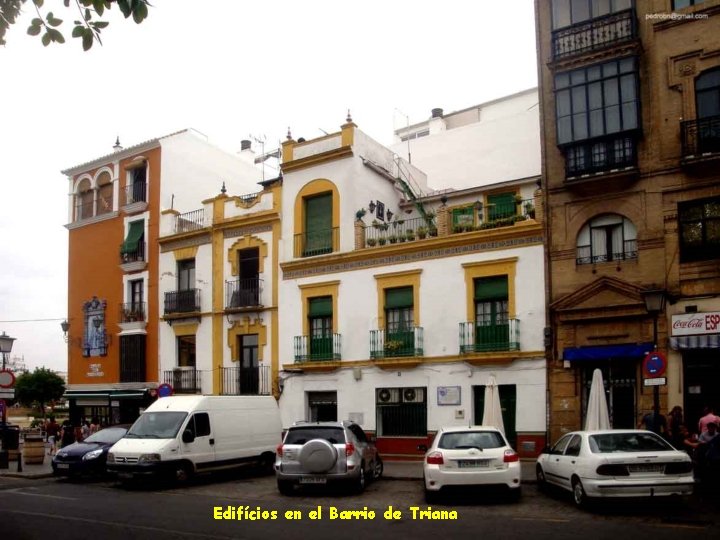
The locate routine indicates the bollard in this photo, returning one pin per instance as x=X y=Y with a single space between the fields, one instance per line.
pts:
x=19 y=467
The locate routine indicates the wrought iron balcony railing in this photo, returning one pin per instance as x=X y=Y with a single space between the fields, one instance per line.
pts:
x=184 y=380
x=317 y=242
x=242 y=293
x=701 y=136
x=187 y=301
x=490 y=337
x=247 y=381
x=132 y=312
x=190 y=221
x=585 y=256
x=138 y=255
x=398 y=342
x=600 y=155
x=594 y=34
x=134 y=193
x=399 y=231
x=313 y=349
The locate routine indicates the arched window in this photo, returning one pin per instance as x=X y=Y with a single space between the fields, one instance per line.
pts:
x=105 y=193
x=84 y=201
x=609 y=237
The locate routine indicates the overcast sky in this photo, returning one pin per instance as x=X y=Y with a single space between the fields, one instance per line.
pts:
x=229 y=69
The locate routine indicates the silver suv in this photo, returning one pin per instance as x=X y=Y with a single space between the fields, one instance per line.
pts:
x=315 y=453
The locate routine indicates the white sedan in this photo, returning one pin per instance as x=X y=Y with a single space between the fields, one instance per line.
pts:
x=615 y=463
x=470 y=456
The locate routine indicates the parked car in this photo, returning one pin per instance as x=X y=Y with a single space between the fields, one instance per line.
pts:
x=178 y=436
x=88 y=456
x=325 y=453
x=470 y=456
x=615 y=463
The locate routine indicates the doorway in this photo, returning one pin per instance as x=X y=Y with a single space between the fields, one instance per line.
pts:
x=620 y=380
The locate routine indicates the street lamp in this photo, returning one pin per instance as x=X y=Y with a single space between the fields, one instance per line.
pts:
x=6 y=343
x=655 y=304
x=65 y=325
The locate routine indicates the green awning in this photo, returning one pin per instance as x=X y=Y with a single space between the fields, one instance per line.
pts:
x=106 y=394
x=491 y=288
x=402 y=297
x=321 y=307
x=135 y=233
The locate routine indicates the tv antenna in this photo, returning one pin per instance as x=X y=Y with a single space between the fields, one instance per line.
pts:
x=261 y=141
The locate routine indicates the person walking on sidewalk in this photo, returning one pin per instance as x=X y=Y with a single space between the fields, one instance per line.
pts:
x=68 y=434
x=52 y=429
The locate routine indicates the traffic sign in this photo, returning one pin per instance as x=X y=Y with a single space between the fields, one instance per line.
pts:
x=657 y=381
x=165 y=390
x=654 y=364
x=7 y=378
x=7 y=394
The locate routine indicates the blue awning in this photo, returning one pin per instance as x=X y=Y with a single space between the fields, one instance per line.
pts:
x=605 y=352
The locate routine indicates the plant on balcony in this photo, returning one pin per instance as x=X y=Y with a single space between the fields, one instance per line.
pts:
x=371 y=242
x=410 y=234
x=382 y=240
x=376 y=224
x=422 y=232
x=360 y=214
x=132 y=315
x=393 y=347
x=432 y=230
x=529 y=210
x=457 y=228
x=393 y=239
x=518 y=199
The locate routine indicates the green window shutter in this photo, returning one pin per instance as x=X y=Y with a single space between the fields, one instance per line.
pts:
x=463 y=216
x=320 y=307
x=135 y=233
x=491 y=288
x=318 y=213
x=501 y=205
x=402 y=297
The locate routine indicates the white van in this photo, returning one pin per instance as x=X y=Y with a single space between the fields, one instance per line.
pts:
x=178 y=436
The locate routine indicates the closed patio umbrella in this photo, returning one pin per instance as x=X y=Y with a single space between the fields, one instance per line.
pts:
x=492 y=412
x=597 y=409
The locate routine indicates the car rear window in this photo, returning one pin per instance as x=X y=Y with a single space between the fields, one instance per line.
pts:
x=302 y=435
x=627 y=442
x=471 y=439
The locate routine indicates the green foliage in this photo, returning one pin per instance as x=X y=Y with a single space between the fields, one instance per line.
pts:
x=86 y=26
x=41 y=386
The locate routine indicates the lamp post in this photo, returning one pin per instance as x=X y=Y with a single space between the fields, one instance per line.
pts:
x=6 y=344
x=655 y=304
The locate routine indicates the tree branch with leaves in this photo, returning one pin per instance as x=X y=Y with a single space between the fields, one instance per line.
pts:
x=86 y=27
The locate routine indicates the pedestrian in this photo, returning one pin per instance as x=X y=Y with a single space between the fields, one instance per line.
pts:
x=674 y=423
x=708 y=452
x=52 y=429
x=94 y=425
x=67 y=436
x=655 y=422
x=85 y=429
x=708 y=416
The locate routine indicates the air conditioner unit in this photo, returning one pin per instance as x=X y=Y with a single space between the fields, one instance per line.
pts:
x=413 y=395
x=388 y=395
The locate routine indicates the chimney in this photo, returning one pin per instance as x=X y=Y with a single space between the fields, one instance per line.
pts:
x=436 y=113
x=436 y=124
x=245 y=144
x=117 y=147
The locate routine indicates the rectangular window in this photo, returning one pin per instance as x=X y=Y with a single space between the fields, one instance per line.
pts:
x=322 y=406
x=570 y=12
x=501 y=206
x=320 y=321
x=201 y=424
x=463 y=218
x=318 y=225
x=137 y=299
x=246 y=290
x=186 y=351
x=399 y=322
x=401 y=412
x=132 y=248
x=138 y=184
x=492 y=327
x=132 y=358
x=680 y=4
x=699 y=223
x=186 y=274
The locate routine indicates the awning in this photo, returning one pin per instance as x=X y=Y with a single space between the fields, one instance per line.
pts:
x=106 y=394
x=605 y=352
x=705 y=341
x=135 y=232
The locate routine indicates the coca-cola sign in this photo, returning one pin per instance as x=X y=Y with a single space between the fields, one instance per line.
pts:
x=693 y=324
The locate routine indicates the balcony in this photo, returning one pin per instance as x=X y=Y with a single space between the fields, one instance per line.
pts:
x=595 y=34
x=250 y=381
x=701 y=139
x=317 y=242
x=84 y=210
x=134 y=198
x=603 y=155
x=399 y=231
x=396 y=343
x=189 y=221
x=485 y=337
x=133 y=261
x=243 y=294
x=629 y=252
x=180 y=302
x=184 y=380
x=317 y=349
x=132 y=316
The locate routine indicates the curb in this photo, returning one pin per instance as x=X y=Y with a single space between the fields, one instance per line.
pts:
x=29 y=476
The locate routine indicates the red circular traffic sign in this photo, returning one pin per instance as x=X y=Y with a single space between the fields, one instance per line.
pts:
x=165 y=390
x=7 y=378
x=654 y=364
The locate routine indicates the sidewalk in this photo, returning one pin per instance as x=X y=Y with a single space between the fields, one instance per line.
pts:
x=29 y=471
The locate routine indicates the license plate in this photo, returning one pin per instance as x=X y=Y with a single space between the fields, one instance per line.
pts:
x=62 y=465
x=646 y=468
x=313 y=480
x=472 y=463
x=125 y=475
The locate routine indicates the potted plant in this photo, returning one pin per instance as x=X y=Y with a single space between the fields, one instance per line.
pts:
x=410 y=234
x=422 y=232
x=360 y=214
x=382 y=240
x=392 y=239
x=393 y=347
x=529 y=210
x=457 y=228
x=371 y=242
x=518 y=199
x=376 y=224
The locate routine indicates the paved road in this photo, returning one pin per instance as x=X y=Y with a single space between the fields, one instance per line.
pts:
x=52 y=509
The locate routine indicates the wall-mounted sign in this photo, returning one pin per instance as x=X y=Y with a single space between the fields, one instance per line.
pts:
x=448 y=395
x=95 y=370
x=693 y=324
x=380 y=211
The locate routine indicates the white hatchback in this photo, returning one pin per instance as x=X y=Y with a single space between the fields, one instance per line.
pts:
x=615 y=463
x=470 y=456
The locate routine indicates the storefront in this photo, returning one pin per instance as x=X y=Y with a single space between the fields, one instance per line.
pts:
x=696 y=336
x=109 y=406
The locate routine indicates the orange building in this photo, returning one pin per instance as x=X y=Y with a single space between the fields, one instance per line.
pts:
x=115 y=203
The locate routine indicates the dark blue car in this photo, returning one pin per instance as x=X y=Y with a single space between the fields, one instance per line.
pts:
x=89 y=456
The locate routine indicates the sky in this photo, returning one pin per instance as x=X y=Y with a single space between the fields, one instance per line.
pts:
x=232 y=70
